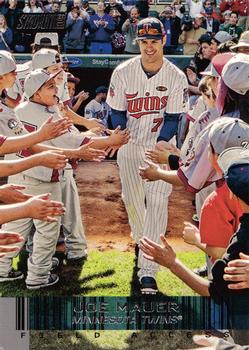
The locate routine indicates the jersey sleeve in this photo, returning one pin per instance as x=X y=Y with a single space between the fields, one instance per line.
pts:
x=178 y=97
x=116 y=97
x=197 y=171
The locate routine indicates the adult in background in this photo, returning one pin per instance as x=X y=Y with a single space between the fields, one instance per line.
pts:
x=12 y=14
x=232 y=27
x=117 y=12
x=178 y=7
x=211 y=3
x=32 y=7
x=3 y=7
x=129 y=28
x=211 y=24
x=134 y=85
x=98 y=108
x=190 y=38
x=6 y=35
x=102 y=27
x=55 y=7
x=225 y=19
x=172 y=27
x=74 y=41
x=90 y=10
x=195 y=7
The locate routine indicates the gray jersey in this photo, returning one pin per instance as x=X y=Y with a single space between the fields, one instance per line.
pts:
x=97 y=110
x=33 y=115
x=200 y=123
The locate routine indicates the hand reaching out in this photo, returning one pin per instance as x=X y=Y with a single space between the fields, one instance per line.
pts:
x=151 y=172
x=162 y=254
x=43 y=208
x=54 y=128
x=191 y=234
x=13 y=194
x=6 y=241
x=237 y=272
x=87 y=153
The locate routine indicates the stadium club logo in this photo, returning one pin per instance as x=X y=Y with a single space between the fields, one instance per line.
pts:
x=140 y=106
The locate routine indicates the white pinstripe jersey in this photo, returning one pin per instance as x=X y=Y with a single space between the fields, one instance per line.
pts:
x=147 y=99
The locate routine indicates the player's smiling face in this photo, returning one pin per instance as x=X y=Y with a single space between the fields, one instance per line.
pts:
x=47 y=94
x=151 y=49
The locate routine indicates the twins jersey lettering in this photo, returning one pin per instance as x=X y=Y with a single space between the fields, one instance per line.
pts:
x=146 y=100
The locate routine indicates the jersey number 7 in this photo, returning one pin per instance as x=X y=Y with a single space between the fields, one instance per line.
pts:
x=157 y=122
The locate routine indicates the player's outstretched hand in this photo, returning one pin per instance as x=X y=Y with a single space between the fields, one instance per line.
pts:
x=150 y=173
x=94 y=123
x=6 y=240
x=95 y=131
x=54 y=128
x=87 y=153
x=163 y=255
x=237 y=272
x=206 y=343
x=10 y=194
x=42 y=208
x=168 y=146
x=158 y=156
x=119 y=137
x=82 y=96
x=52 y=159
x=191 y=234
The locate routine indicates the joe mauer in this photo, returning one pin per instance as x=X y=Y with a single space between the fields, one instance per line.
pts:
x=143 y=92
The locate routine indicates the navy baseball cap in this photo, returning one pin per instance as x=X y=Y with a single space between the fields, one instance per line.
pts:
x=101 y=89
x=237 y=179
x=234 y=162
x=150 y=28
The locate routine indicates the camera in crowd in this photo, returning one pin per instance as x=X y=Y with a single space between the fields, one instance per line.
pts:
x=132 y=20
x=187 y=22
